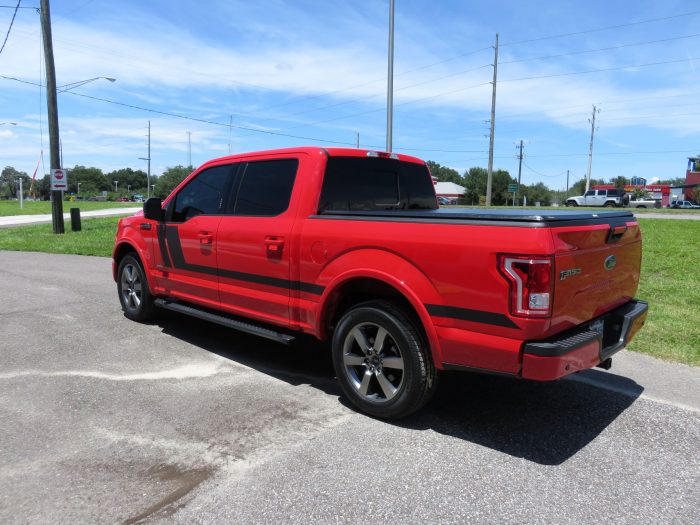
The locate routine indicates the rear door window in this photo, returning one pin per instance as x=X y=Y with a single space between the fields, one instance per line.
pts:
x=376 y=183
x=265 y=188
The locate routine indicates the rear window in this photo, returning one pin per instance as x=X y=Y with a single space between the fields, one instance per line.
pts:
x=372 y=183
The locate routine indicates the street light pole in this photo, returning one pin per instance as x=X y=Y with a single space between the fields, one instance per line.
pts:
x=78 y=189
x=390 y=81
x=73 y=85
x=116 y=183
x=52 y=114
x=148 y=173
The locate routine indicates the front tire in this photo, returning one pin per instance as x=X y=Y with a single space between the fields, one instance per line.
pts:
x=382 y=363
x=132 y=287
x=571 y=203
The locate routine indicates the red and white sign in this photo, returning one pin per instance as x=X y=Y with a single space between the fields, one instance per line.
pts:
x=59 y=180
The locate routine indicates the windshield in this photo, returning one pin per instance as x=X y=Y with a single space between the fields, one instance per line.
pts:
x=375 y=183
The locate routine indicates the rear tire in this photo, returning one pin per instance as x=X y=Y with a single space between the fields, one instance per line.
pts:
x=571 y=203
x=132 y=287
x=382 y=363
x=609 y=204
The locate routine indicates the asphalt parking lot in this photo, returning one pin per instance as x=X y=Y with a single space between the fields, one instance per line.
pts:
x=109 y=421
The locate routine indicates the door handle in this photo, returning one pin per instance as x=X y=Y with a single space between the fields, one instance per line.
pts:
x=205 y=238
x=274 y=244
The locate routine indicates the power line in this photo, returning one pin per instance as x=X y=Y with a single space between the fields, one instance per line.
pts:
x=10 y=28
x=621 y=46
x=606 y=28
x=649 y=64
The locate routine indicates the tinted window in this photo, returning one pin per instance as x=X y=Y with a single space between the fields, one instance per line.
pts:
x=589 y=193
x=266 y=187
x=372 y=183
x=203 y=195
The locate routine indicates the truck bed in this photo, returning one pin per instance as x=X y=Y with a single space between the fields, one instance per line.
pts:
x=513 y=217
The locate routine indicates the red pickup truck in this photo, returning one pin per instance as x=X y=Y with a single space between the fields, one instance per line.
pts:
x=350 y=246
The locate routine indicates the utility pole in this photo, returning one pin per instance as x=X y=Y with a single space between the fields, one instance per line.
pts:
x=52 y=114
x=590 y=148
x=520 y=168
x=189 y=149
x=357 y=139
x=567 y=183
x=21 y=194
x=390 y=80
x=489 y=179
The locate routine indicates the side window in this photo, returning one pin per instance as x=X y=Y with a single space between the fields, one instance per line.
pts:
x=602 y=193
x=203 y=195
x=590 y=193
x=266 y=187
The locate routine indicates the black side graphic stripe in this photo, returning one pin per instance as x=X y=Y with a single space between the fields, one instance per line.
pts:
x=179 y=262
x=476 y=316
x=160 y=231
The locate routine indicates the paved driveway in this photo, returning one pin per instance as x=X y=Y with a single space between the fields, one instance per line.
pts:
x=109 y=421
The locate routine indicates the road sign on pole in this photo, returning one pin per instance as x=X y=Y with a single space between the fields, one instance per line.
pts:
x=59 y=179
x=512 y=188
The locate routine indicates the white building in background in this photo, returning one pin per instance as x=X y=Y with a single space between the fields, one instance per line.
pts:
x=449 y=190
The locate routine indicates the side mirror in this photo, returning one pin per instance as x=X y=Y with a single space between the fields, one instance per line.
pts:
x=153 y=209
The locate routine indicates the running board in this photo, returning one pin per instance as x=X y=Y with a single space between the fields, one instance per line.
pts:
x=248 y=328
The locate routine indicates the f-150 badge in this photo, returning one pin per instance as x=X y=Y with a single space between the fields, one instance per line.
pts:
x=569 y=273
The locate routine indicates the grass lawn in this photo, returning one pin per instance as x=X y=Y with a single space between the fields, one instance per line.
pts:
x=40 y=207
x=670 y=278
x=96 y=238
x=671 y=283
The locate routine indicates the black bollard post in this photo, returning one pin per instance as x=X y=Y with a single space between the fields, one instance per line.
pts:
x=75 y=219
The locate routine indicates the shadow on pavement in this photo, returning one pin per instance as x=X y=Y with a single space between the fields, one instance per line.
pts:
x=546 y=423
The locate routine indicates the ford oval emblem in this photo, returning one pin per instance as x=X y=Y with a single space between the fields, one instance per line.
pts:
x=610 y=262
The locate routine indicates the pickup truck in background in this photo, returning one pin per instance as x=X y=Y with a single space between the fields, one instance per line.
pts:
x=350 y=246
x=641 y=202
x=608 y=198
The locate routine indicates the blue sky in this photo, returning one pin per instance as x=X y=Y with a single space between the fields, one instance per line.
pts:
x=314 y=72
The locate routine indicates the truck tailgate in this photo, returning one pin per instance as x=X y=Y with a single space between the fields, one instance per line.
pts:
x=596 y=269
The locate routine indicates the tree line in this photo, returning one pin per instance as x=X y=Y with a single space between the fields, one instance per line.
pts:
x=93 y=181
x=474 y=181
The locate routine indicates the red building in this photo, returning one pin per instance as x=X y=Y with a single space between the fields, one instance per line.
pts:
x=692 y=178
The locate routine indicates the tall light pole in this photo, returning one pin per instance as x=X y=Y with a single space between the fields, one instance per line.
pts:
x=52 y=114
x=116 y=183
x=78 y=188
x=390 y=81
x=148 y=173
x=189 y=149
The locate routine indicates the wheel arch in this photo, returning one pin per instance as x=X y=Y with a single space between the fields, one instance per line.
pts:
x=396 y=280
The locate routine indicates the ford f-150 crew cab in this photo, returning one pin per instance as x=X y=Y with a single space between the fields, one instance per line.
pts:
x=351 y=247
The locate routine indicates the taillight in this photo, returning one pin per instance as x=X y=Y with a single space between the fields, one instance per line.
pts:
x=531 y=284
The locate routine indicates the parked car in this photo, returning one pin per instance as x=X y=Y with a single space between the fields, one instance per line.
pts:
x=122 y=199
x=683 y=204
x=640 y=202
x=607 y=198
x=350 y=246
x=444 y=201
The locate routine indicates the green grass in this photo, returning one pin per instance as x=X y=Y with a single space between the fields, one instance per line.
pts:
x=670 y=278
x=40 y=207
x=670 y=281
x=96 y=238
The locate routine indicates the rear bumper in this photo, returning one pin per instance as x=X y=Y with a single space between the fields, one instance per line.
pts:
x=585 y=346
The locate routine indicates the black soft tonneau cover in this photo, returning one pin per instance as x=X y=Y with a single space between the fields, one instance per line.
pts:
x=535 y=218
